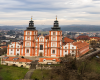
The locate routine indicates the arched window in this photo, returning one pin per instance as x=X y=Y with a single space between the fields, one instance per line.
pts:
x=53 y=51
x=53 y=33
x=41 y=47
x=28 y=33
x=54 y=38
x=17 y=49
x=27 y=51
x=28 y=38
x=65 y=47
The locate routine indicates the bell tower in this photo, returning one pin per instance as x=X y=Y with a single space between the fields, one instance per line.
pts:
x=55 y=40
x=30 y=34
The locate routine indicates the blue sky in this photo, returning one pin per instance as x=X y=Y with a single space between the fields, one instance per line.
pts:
x=19 y=12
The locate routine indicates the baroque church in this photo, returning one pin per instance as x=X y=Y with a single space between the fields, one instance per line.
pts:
x=51 y=45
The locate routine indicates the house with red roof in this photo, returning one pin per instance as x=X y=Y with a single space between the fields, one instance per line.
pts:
x=83 y=38
x=16 y=61
x=49 y=61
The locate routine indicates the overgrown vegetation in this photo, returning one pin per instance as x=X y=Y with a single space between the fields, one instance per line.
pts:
x=71 y=69
x=3 y=51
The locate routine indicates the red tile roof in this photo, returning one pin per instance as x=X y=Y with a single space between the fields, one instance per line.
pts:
x=80 y=44
x=67 y=40
x=98 y=38
x=3 y=47
x=18 y=60
x=47 y=36
x=56 y=59
x=83 y=37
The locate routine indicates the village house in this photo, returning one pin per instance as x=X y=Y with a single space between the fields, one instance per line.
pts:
x=49 y=61
x=15 y=61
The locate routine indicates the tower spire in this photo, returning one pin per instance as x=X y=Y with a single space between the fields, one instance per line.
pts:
x=56 y=17
x=31 y=18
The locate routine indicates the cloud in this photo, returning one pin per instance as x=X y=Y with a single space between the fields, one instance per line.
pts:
x=73 y=11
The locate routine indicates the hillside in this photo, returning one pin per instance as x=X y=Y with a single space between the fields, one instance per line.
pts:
x=78 y=28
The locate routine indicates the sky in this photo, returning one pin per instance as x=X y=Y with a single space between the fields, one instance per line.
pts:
x=19 y=12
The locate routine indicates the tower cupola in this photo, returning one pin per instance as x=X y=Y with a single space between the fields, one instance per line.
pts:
x=31 y=25
x=56 y=25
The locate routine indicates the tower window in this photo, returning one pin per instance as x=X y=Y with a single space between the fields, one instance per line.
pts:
x=53 y=33
x=53 y=38
x=65 y=47
x=28 y=33
x=11 y=49
x=28 y=43
x=27 y=51
x=45 y=44
x=41 y=47
x=53 y=51
x=27 y=38
x=53 y=44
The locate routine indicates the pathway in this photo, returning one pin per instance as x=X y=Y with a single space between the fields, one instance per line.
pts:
x=29 y=74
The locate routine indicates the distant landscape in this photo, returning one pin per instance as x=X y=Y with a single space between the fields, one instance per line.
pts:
x=78 y=28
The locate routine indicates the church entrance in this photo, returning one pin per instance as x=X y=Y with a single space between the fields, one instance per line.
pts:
x=41 y=54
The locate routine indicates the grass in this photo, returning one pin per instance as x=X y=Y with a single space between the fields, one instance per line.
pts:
x=11 y=72
x=39 y=74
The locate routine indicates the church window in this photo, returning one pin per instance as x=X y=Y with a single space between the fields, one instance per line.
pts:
x=27 y=51
x=72 y=47
x=27 y=38
x=53 y=33
x=65 y=47
x=53 y=51
x=45 y=44
x=11 y=46
x=11 y=49
x=41 y=47
x=65 y=50
x=53 y=44
x=28 y=33
x=53 y=38
x=18 y=46
x=41 y=39
x=27 y=43
x=72 y=50
x=17 y=49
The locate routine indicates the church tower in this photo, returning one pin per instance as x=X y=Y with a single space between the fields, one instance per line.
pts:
x=30 y=34
x=55 y=40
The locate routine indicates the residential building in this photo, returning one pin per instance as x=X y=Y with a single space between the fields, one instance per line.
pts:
x=15 y=61
x=49 y=61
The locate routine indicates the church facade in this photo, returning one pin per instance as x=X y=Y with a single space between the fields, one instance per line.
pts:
x=48 y=46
